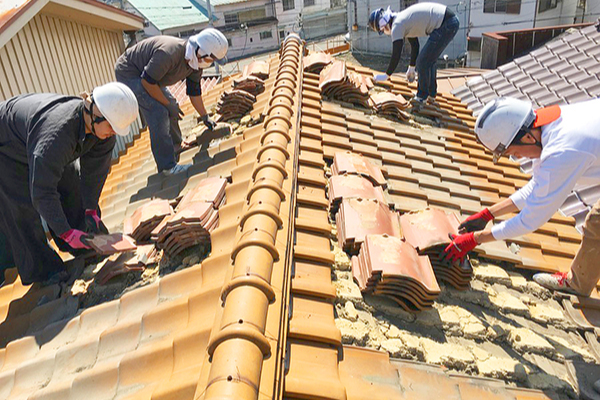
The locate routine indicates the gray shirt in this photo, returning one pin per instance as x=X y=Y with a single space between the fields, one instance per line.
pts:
x=159 y=58
x=418 y=20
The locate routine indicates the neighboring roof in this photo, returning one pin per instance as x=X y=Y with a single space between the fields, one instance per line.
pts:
x=95 y=13
x=257 y=317
x=167 y=14
x=566 y=70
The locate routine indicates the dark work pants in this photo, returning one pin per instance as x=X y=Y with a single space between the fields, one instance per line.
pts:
x=165 y=134
x=20 y=224
x=427 y=59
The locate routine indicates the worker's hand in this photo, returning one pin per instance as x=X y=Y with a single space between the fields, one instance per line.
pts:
x=210 y=124
x=381 y=77
x=476 y=222
x=93 y=223
x=75 y=238
x=410 y=74
x=174 y=110
x=460 y=246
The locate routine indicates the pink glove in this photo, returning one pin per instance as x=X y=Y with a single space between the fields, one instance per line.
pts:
x=476 y=222
x=460 y=246
x=74 y=238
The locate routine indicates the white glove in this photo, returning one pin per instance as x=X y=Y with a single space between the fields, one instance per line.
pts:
x=410 y=74
x=381 y=77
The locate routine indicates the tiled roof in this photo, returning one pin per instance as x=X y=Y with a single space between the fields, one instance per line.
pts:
x=178 y=90
x=256 y=318
x=566 y=70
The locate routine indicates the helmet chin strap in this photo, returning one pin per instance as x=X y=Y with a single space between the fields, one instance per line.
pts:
x=94 y=119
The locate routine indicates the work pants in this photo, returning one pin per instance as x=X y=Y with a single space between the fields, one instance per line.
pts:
x=585 y=269
x=427 y=60
x=165 y=134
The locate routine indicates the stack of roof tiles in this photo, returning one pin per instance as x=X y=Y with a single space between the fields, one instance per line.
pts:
x=258 y=69
x=349 y=186
x=195 y=217
x=253 y=78
x=358 y=218
x=337 y=83
x=389 y=104
x=146 y=218
x=389 y=267
x=315 y=62
x=234 y=104
x=356 y=164
x=428 y=231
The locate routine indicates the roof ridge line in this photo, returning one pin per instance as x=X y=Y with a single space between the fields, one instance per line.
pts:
x=240 y=346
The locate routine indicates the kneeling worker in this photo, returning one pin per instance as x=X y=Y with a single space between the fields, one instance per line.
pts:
x=55 y=154
x=565 y=146
x=160 y=61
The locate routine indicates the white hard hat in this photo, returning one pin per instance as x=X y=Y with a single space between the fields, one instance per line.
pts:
x=211 y=43
x=500 y=121
x=118 y=105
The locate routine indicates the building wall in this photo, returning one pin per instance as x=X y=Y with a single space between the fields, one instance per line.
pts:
x=366 y=40
x=55 y=55
x=245 y=43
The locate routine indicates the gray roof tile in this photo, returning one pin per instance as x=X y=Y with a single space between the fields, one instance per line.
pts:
x=566 y=52
x=593 y=89
x=577 y=97
x=556 y=44
x=585 y=81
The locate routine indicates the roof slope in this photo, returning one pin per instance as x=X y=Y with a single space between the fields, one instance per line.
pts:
x=166 y=14
x=565 y=70
x=256 y=318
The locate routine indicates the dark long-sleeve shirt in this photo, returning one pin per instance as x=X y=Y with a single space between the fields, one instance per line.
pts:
x=47 y=132
x=397 y=52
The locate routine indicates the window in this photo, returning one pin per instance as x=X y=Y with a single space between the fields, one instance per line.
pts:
x=231 y=19
x=288 y=5
x=281 y=35
x=502 y=6
x=308 y=3
x=545 y=5
x=266 y=35
x=229 y=43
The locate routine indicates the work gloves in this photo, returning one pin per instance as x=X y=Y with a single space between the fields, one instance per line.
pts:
x=411 y=74
x=93 y=223
x=476 y=222
x=459 y=247
x=174 y=110
x=75 y=238
x=210 y=124
x=381 y=77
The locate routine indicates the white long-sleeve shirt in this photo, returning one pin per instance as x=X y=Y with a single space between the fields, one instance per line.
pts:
x=570 y=159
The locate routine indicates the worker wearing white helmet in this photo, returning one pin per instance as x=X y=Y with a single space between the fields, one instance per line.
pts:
x=55 y=153
x=160 y=61
x=564 y=144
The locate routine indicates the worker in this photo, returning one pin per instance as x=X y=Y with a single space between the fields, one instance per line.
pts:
x=160 y=61
x=55 y=154
x=564 y=144
x=422 y=19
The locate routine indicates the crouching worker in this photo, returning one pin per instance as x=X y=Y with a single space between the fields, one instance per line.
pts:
x=564 y=144
x=422 y=19
x=55 y=154
x=160 y=61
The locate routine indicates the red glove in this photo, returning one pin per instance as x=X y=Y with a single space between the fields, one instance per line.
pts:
x=74 y=238
x=93 y=223
x=460 y=246
x=476 y=222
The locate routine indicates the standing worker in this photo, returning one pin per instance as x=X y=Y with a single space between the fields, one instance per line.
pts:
x=565 y=146
x=160 y=61
x=422 y=19
x=55 y=154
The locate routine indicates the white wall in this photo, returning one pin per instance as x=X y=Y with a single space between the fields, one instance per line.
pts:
x=288 y=20
x=245 y=45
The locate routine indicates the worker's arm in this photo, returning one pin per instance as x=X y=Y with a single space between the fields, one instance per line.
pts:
x=414 y=51
x=155 y=91
x=503 y=207
x=48 y=154
x=95 y=165
x=550 y=186
x=395 y=59
x=198 y=105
